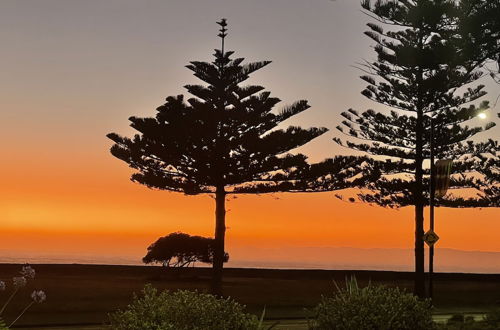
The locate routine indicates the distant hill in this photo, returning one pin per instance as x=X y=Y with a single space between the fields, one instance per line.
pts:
x=446 y=260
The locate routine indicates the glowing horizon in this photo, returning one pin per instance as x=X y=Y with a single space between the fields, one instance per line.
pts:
x=74 y=72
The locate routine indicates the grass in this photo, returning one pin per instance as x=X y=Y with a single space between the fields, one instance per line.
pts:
x=85 y=294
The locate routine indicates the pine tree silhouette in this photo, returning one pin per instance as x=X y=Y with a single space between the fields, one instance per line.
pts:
x=420 y=72
x=225 y=140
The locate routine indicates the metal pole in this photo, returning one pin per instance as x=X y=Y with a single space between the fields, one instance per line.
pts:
x=431 y=207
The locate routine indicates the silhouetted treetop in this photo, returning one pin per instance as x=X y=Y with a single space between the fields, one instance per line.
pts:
x=226 y=134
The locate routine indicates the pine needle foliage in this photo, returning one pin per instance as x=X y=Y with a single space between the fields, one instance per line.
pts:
x=479 y=29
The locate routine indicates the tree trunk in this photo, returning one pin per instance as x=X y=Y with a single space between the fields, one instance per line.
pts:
x=220 y=232
x=419 y=288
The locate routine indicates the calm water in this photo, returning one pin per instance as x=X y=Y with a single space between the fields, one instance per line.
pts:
x=447 y=260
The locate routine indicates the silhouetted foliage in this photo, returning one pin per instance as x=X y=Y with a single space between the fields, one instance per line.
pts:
x=479 y=29
x=179 y=250
x=421 y=72
x=225 y=140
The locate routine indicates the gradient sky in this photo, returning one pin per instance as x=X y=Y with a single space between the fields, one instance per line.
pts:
x=72 y=71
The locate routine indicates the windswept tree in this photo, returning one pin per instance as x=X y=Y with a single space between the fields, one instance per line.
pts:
x=181 y=250
x=223 y=140
x=424 y=79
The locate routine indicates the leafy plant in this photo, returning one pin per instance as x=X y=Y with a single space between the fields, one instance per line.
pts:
x=372 y=307
x=182 y=310
x=2 y=325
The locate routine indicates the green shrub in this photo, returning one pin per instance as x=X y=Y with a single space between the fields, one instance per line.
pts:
x=182 y=310
x=372 y=307
x=3 y=326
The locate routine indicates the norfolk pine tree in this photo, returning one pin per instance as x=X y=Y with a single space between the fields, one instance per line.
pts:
x=222 y=141
x=421 y=74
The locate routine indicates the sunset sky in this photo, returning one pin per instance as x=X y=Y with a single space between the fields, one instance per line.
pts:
x=73 y=71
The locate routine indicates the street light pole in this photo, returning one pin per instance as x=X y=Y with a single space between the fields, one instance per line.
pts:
x=440 y=178
x=431 y=207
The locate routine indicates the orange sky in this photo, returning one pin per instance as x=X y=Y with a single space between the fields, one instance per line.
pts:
x=96 y=209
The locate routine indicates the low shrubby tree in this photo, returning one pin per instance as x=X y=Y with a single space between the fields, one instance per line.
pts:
x=182 y=310
x=180 y=250
x=372 y=307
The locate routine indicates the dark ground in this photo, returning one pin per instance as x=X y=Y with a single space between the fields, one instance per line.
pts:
x=85 y=294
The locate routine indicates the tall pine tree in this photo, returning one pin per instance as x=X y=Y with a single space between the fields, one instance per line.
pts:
x=424 y=79
x=222 y=141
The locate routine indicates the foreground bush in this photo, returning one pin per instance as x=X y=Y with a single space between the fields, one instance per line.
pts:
x=182 y=310
x=372 y=307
